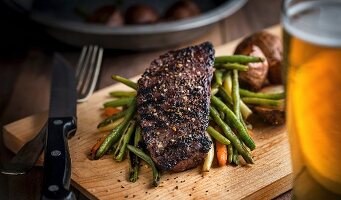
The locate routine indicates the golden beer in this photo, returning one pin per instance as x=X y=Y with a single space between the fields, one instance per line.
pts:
x=312 y=61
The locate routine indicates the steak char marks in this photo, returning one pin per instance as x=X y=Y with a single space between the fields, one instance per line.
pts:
x=173 y=102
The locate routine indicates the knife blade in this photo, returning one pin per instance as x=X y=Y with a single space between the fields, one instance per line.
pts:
x=61 y=125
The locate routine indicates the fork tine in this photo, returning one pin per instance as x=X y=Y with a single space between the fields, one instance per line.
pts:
x=96 y=72
x=89 y=68
x=90 y=71
x=82 y=68
x=80 y=60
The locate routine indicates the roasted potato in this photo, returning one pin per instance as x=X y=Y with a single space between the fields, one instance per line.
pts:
x=272 y=48
x=141 y=14
x=255 y=77
x=182 y=9
x=273 y=116
x=109 y=15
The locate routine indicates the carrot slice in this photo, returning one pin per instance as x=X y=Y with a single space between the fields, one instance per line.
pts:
x=96 y=147
x=221 y=153
x=109 y=111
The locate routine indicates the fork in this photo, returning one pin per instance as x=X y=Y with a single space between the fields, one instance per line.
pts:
x=87 y=72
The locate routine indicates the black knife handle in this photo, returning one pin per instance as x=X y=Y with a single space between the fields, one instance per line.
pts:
x=57 y=163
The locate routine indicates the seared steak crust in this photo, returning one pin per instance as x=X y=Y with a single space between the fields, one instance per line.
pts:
x=173 y=105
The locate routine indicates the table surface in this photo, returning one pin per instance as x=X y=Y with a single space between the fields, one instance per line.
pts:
x=25 y=62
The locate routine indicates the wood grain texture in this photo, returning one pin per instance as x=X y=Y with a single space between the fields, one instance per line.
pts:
x=107 y=179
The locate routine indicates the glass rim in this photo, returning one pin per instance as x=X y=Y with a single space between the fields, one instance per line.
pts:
x=301 y=33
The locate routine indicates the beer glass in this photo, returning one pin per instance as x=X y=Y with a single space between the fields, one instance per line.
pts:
x=312 y=73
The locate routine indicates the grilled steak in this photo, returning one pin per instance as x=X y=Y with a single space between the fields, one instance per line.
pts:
x=173 y=105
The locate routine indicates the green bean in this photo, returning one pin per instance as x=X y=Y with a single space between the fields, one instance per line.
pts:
x=230 y=135
x=125 y=81
x=224 y=95
x=120 y=94
x=242 y=132
x=137 y=137
x=126 y=138
x=209 y=156
x=226 y=74
x=111 y=119
x=246 y=111
x=230 y=153
x=214 y=91
x=119 y=102
x=242 y=121
x=235 y=94
x=114 y=147
x=232 y=66
x=116 y=133
x=216 y=135
x=120 y=142
x=264 y=102
x=111 y=126
x=148 y=160
x=236 y=98
x=214 y=88
x=228 y=84
x=218 y=75
x=242 y=59
x=134 y=160
x=235 y=157
x=133 y=167
x=274 y=96
x=214 y=114
x=222 y=115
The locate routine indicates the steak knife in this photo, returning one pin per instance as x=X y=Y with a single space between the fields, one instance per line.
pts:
x=61 y=125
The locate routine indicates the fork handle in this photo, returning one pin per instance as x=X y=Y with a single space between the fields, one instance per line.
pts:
x=57 y=163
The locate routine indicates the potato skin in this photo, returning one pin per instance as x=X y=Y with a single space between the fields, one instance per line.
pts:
x=141 y=14
x=272 y=48
x=255 y=77
x=270 y=115
x=109 y=15
x=182 y=9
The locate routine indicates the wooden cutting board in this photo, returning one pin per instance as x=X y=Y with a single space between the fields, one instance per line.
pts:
x=269 y=177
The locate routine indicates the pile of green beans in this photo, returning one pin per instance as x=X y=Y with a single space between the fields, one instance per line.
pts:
x=229 y=106
x=125 y=138
x=227 y=111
